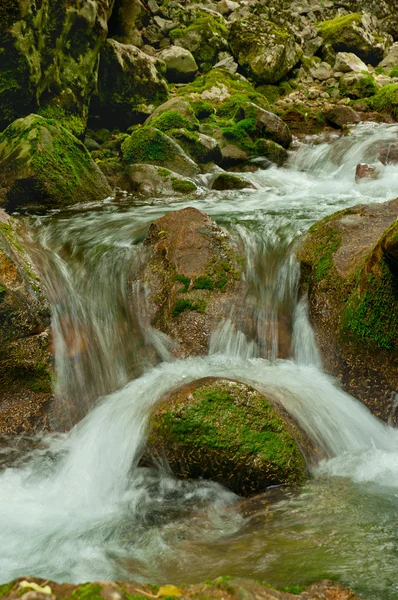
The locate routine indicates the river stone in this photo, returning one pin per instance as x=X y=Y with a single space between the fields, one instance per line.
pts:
x=339 y=116
x=351 y=278
x=347 y=62
x=227 y=432
x=181 y=65
x=44 y=166
x=191 y=276
x=322 y=72
x=175 y=105
x=25 y=350
x=264 y=50
x=358 y=85
x=200 y=147
x=152 y=146
x=150 y=180
x=129 y=85
x=229 y=181
x=267 y=124
x=365 y=171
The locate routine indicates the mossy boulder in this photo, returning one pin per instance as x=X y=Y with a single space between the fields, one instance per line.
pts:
x=386 y=100
x=149 y=180
x=267 y=124
x=178 y=105
x=265 y=51
x=181 y=66
x=358 y=85
x=192 y=274
x=200 y=147
x=25 y=350
x=152 y=146
x=350 y=272
x=228 y=432
x=205 y=37
x=229 y=181
x=43 y=166
x=357 y=33
x=129 y=86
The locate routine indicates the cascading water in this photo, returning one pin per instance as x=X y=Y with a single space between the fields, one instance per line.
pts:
x=81 y=508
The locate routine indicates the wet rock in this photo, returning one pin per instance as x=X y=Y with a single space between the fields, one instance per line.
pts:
x=129 y=85
x=339 y=116
x=226 y=431
x=352 y=286
x=25 y=350
x=266 y=51
x=44 y=166
x=347 y=62
x=228 y=181
x=357 y=33
x=358 y=85
x=201 y=148
x=175 y=105
x=267 y=124
x=232 y=155
x=150 y=180
x=152 y=146
x=364 y=171
x=389 y=154
x=180 y=63
x=191 y=276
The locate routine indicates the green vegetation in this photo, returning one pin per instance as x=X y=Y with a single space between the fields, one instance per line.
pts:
x=182 y=186
x=88 y=591
x=145 y=145
x=185 y=281
x=6 y=588
x=212 y=35
x=394 y=72
x=183 y=304
x=171 y=119
x=203 y=282
x=324 y=244
x=386 y=100
x=72 y=122
x=339 y=29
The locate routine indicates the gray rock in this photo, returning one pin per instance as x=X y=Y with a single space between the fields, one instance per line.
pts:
x=342 y=115
x=322 y=72
x=268 y=124
x=229 y=181
x=180 y=64
x=228 y=64
x=150 y=180
x=176 y=104
x=347 y=62
x=391 y=60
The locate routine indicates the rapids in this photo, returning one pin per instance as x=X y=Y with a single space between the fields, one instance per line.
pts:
x=79 y=507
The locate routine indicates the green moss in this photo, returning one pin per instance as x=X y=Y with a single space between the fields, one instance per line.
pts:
x=362 y=86
x=6 y=588
x=213 y=34
x=334 y=29
x=145 y=145
x=394 y=72
x=232 y=106
x=164 y=172
x=236 y=131
x=325 y=241
x=386 y=100
x=183 y=304
x=72 y=122
x=202 y=109
x=182 y=186
x=88 y=591
x=203 y=283
x=231 y=81
x=185 y=281
x=171 y=119
x=371 y=313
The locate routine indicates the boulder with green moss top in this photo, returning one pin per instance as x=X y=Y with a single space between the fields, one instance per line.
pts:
x=350 y=273
x=178 y=105
x=129 y=86
x=152 y=146
x=205 y=37
x=358 y=85
x=192 y=274
x=267 y=124
x=49 y=57
x=201 y=148
x=386 y=100
x=228 y=432
x=357 y=33
x=267 y=52
x=44 y=166
x=150 y=180
x=347 y=62
x=25 y=350
x=229 y=181
x=181 y=66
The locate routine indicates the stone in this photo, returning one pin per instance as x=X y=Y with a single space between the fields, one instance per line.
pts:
x=358 y=85
x=265 y=51
x=347 y=62
x=357 y=33
x=383 y=80
x=180 y=64
x=365 y=171
x=201 y=148
x=150 y=180
x=152 y=146
x=44 y=166
x=339 y=116
x=226 y=7
x=245 y=442
x=129 y=85
x=267 y=124
x=232 y=155
x=176 y=105
x=352 y=282
x=229 y=181
x=165 y=25
x=272 y=152
x=127 y=20
x=322 y=72
x=228 y=64
x=191 y=276
x=25 y=333
x=389 y=154
x=391 y=60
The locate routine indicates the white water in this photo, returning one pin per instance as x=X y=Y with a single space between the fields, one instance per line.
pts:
x=82 y=509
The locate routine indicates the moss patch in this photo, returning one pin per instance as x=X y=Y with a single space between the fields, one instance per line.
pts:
x=145 y=145
x=183 y=304
x=386 y=100
x=182 y=186
x=171 y=119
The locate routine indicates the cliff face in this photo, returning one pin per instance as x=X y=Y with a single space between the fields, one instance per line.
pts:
x=49 y=52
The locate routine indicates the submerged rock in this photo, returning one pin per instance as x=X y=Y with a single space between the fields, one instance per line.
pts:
x=44 y=166
x=190 y=278
x=364 y=171
x=228 y=432
x=352 y=283
x=25 y=349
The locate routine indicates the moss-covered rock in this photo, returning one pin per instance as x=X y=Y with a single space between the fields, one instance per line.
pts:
x=267 y=124
x=205 y=37
x=358 y=85
x=42 y=165
x=386 y=100
x=192 y=274
x=25 y=359
x=150 y=180
x=152 y=146
x=357 y=33
x=350 y=271
x=229 y=181
x=129 y=86
x=227 y=432
x=266 y=51
x=200 y=147
x=178 y=105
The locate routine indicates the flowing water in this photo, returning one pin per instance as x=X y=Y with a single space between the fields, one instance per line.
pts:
x=80 y=507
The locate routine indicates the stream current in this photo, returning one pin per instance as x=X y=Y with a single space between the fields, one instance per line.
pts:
x=79 y=507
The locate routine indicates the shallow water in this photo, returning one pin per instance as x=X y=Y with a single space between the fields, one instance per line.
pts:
x=81 y=509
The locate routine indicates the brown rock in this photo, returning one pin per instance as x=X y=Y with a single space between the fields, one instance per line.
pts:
x=339 y=116
x=364 y=171
x=389 y=154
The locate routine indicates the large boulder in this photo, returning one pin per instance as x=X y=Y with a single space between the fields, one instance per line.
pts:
x=350 y=271
x=357 y=33
x=42 y=165
x=149 y=180
x=358 y=85
x=49 y=57
x=266 y=51
x=391 y=60
x=347 y=62
x=25 y=357
x=152 y=146
x=191 y=276
x=267 y=124
x=129 y=85
x=180 y=64
x=228 y=432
